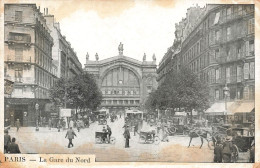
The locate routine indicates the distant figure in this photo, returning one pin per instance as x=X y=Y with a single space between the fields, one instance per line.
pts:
x=135 y=127
x=70 y=134
x=71 y=124
x=13 y=147
x=109 y=131
x=17 y=123
x=49 y=124
x=78 y=125
x=7 y=141
x=127 y=137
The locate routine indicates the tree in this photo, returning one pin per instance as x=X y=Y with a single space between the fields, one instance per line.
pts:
x=80 y=92
x=182 y=89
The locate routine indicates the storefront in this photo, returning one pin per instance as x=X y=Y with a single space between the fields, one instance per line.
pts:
x=24 y=110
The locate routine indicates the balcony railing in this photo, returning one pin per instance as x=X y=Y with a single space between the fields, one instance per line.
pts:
x=12 y=58
x=26 y=80
x=224 y=59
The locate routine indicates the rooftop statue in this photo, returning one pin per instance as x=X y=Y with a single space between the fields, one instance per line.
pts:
x=120 y=48
x=144 y=57
x=97 y=58
x=154 y=57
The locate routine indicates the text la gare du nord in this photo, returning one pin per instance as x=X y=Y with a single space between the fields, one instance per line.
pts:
x=50 y=159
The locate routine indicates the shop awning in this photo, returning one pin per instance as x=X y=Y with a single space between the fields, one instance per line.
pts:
x=219 y=108
x=245 y=107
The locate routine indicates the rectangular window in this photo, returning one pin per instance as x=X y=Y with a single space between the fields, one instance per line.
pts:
x=252 y=70
x=228 y=13
x=18 y=16
x=228 y=75
x=239 y=51
x=18 y=75
x=217 y=76
x=217 y=36
x=216 y=18
x=239 y=73
x=251 y=47
x=228 y=33
x=19 y=54
x=217 y=56
x=217 y=94
x=246 y=71
x=251 y=26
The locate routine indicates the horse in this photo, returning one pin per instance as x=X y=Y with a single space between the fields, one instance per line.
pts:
x=199 y=133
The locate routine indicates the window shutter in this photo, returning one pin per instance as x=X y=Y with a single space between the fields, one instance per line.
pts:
x=246 y=70
x=247 y=48
x=252 y=70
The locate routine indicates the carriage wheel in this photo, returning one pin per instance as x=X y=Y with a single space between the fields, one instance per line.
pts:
x=156 y=140
x=210 y=144
x=98 y=140
x=112 y=140
x=234 y=155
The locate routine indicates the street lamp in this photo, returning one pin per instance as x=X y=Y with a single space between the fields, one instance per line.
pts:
x=226 y=92
x=37 y=117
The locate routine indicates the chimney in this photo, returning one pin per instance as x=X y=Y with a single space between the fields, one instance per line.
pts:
x=46 y=11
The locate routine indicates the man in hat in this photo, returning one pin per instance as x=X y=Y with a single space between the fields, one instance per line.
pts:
x=17 y=123
x=13 y=147
x=70 y=134
x=127 y=136
x=227 y=150
x=7 y=141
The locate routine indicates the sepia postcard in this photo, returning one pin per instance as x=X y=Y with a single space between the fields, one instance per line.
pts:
x=129 y=83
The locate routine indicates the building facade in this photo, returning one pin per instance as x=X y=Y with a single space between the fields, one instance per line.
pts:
x=217 y=43
x=28 y=62
x=125 y=82
x=64 y=56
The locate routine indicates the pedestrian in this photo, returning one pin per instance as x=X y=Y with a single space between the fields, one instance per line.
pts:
x=7 y=141
x=218 y=152
x=227 y=150
x=13 y=147
x=49 y=124
x=70 y=134
x=78 y=125
x=135 y=127
x=59 y=125
x=127 y=137
x=109 y=132
x=71 y=123
x=17 y=125
x=252 y=154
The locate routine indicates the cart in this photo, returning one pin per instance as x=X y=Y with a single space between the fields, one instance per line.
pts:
x=149 y=137
x=102 y=138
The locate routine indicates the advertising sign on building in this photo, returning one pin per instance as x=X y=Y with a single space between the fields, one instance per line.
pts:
x=65 y=112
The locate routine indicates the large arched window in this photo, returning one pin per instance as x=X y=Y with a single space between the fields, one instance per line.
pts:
x=120 y=81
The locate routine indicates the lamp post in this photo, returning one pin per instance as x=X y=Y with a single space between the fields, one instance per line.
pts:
x=226 y=92
x=37 y=111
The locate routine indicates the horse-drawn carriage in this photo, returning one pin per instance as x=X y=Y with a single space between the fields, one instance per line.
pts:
x=149 y=137
x=102 y=119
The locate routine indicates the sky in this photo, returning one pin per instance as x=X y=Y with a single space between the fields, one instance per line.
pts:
x=99 y=26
